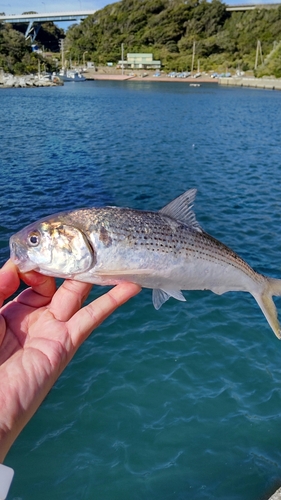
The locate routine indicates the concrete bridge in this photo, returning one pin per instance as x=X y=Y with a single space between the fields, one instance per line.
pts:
x=249 y=6
x=34 y=21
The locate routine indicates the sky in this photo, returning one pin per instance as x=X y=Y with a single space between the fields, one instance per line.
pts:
x=20 y=6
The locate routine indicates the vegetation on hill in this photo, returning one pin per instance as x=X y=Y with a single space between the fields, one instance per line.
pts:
x=167 y=28
x=16 y=54
x=13 y=48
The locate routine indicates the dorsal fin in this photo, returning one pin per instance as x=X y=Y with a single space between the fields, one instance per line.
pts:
x=181 y=209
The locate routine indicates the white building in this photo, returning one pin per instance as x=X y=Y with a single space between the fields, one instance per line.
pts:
x=140 y=61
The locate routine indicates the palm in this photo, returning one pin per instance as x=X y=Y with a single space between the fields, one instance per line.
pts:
x=32 y=340
x=40 y=331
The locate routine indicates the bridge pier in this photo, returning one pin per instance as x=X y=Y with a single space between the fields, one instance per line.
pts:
x=32 y=31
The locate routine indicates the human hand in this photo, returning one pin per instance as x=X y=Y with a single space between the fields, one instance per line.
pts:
x=40 y=331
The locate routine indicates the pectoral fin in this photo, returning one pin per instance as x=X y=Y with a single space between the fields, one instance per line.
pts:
x=161 y=296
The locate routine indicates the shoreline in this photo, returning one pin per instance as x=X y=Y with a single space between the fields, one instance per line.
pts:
x=265 y=83
x=247 y=82
x=148 y=78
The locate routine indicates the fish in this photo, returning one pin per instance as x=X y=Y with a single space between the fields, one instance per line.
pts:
x=165 y=250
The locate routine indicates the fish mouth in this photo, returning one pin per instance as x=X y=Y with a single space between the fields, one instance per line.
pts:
x=18 y=255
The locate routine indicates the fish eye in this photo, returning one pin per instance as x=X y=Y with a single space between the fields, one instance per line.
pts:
x=34 y=238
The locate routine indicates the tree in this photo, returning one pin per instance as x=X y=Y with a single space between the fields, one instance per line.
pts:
x=166 y=28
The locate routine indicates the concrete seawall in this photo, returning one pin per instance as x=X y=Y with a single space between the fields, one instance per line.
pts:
x=257 y=83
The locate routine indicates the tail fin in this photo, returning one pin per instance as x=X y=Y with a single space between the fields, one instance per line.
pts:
x=272 y=287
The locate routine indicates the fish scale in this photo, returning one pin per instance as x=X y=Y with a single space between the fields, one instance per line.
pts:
x=159 y=233
x=166 y=251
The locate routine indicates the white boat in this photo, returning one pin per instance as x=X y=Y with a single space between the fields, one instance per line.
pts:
x=46 y=77
x=72 y=75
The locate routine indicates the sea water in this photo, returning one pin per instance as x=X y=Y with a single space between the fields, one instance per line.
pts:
x=180 y=403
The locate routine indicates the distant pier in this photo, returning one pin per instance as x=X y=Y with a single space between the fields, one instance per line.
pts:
x=257 y=83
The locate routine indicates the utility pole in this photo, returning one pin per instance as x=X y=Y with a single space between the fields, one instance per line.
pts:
x=258 y=53
x=193 y=56
x=84 y=62
x=61 y=44
x=122 y=57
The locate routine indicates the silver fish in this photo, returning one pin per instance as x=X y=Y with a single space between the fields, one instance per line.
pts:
x=166 y=251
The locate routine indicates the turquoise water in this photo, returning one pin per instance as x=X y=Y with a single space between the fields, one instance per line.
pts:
x=181 y=403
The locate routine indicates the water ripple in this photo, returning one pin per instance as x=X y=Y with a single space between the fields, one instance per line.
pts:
x=178 y=403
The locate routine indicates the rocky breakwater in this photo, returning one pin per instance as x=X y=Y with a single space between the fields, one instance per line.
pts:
x=8 y=80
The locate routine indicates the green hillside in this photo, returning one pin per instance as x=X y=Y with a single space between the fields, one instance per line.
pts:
x=168 y=28
x=16 y=54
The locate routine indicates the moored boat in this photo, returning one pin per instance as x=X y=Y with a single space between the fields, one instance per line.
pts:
x=71 y=75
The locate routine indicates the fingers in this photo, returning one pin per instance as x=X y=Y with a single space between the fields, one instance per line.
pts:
x=88 y=318
x=43 y=289
x=68 y=299
x=9 y=283
x=9 y=280
x=42 y=285
x=2 y=328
